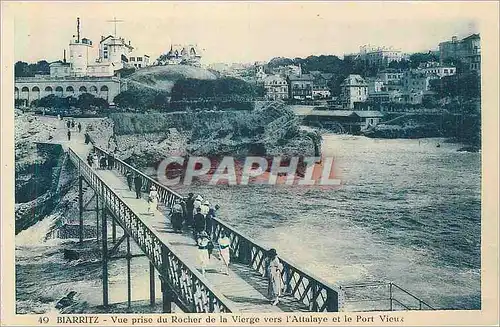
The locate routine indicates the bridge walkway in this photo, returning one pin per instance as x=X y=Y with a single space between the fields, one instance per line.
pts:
x=244 y=286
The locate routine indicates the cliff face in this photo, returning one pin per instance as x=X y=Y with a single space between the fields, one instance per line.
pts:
x=38 y=169
x=146 y=139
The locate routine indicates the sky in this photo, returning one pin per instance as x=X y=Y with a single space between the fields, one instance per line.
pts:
x=241 y=31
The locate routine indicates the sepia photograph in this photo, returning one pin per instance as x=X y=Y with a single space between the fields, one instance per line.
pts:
x=244 y=157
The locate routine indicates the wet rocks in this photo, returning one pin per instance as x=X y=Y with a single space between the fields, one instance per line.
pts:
x=66 y=301
x=71 y=255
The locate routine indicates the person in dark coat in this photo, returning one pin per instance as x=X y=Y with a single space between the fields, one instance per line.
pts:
x=69 y=135
x=111 y=160
x=199 y=223
x=177 y=216
x=209 y=218
x=72 y=124
x=189 y=209
x=138 y=186
x=102 y=162
x=89 y=159
x=87 y=138
x=79 y=128
x=68 y=124
x=130 y=179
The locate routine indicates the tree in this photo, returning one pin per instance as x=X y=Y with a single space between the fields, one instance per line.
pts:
x=21 y=69
x=419 y=57
x=85 y=100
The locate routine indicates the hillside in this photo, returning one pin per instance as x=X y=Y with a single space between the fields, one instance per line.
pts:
x=163 y=78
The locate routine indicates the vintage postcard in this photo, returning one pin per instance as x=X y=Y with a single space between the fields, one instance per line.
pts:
x=249 y=163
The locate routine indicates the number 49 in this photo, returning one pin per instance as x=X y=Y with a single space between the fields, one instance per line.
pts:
x=43 y=320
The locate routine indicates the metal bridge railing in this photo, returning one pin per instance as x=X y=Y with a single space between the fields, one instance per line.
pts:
x=382 y=296
x=312 y=291
x=189 y=286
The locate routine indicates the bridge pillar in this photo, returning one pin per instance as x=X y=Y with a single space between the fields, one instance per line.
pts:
x=167 y=293
x=332 y=300
x=113 y=230
x=152 y=294
x=129 y=281
x=104 y=259
x=80 y=206
x=167 y=297
x=97 y=216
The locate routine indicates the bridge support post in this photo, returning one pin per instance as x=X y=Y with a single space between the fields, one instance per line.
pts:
x=97 y=216
x=104 y=259
x=80 y=206
x=332 y=299
x=167 y=293
x=129 y=281
x=167 y=297
x=152 y=294
x=113 y=230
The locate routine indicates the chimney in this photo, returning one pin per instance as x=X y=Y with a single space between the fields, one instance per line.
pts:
x=78 y=29
x=64 y=58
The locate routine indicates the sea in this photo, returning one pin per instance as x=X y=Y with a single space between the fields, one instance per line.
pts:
x=408 y=212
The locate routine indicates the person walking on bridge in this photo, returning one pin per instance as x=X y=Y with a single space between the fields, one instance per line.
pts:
x=153 y=200
x=199 y=223
x=111 y=160
x=138 y=186
x=79 y=128
x=95 y=160
x=189 y=210
x=176 y=216
x=68 y=124
x=203 y=242
x=69 y=135
x=130 y=179
x=273 y=269
x=224 y=248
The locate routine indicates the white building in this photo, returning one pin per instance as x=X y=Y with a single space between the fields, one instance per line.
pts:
x=353 y=89
x=377 y=56
x=113 y=55
x=276 y=87
x=115 y=51
x=139 y=61
x=181 y=55
x=435 y=68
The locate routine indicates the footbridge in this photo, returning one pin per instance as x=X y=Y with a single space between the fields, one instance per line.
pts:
x=172 y=256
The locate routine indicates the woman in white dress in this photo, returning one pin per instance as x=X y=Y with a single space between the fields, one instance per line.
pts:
x=153 y=199
x=95 y=161
x=274 y=269
x=203 y=257
x=224 y=248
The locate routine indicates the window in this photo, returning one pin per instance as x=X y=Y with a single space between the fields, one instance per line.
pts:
x=139 y=58
x=133 y=59
x=139 y=65
x=446 y=71
x=105 y=55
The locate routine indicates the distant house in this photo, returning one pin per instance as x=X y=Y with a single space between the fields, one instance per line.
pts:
x=300 y=87
x=467 y=50
x=352 y=121
x=353 y=89
x=276 y=87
